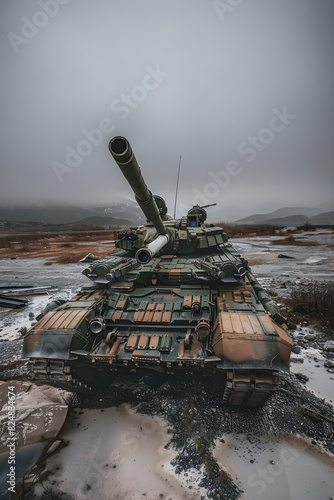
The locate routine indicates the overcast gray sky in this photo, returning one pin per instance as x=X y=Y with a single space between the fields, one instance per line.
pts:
x=243 y=90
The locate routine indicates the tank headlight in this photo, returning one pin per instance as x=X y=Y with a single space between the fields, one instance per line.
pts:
x=97 y=325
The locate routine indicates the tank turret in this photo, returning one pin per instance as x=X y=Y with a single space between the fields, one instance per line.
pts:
x=161 y=233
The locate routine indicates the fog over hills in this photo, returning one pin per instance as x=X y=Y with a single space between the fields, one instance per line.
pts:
x=130 y=213
x=115 y=214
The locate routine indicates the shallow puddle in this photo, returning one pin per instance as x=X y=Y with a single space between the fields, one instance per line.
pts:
x=273 y=469
x=321 y=382
x=116 y=454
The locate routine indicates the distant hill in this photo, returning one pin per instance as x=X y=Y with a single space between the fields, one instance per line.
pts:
x=280 y=214
x=324 y=218
x=291 y=220
x=119 y=213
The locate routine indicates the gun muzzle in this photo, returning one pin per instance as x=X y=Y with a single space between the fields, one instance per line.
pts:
x=145 y=254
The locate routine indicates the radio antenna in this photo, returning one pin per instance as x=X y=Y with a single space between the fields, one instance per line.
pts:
x=177 y=186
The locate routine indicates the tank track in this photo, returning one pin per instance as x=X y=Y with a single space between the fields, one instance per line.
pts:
x=249 y=387
x=56 y=371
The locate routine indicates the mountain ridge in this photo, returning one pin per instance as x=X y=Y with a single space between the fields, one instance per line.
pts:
x=281 y=212
x=296 y=218
x=67 y=214
x=130 y=214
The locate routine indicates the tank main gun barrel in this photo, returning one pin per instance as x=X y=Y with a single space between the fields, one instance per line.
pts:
x=145 y=254
x=122 y=153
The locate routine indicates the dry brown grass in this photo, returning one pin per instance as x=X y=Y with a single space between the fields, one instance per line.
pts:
x=290 y=240
x=314 y=301
x=62 y=247
x=256 y=259
x=307 y=226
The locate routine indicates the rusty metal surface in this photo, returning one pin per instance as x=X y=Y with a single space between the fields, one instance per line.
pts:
x=242 y=337
x=64 y=319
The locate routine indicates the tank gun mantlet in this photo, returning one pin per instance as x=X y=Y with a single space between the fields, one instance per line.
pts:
x=179 y=239
x=135 y=238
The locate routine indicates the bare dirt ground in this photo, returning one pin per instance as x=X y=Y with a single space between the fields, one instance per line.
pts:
x=62 y=248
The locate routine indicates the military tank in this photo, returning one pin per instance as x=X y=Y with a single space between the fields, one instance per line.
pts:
x=177 y=299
